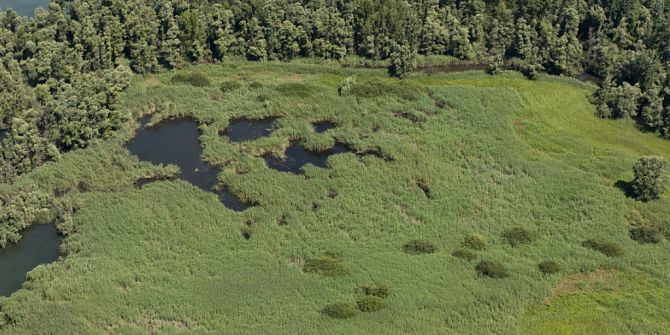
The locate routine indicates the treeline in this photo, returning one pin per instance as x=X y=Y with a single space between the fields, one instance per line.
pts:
x=61 y=71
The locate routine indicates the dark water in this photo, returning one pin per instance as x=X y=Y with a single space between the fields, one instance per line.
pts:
x=297 y=157
x=24 y=7
x=589 y=78
x=323 y=126
x=454 y=67
x=246 y=130
x=176 y=142
x=39 y=245
x=3 y=134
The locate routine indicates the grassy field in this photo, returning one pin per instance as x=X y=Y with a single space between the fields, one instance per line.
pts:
x=493 y=153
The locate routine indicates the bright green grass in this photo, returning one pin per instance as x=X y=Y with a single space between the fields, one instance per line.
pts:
x=504 y=153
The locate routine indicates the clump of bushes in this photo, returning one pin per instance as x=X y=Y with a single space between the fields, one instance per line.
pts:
x=475 y=242
x=646 y=234
x=549 y=267
x=650 y=181
x=492 y=269
x=607 y=248
x=330 y=264
x=229 y=86
x=465 y=254
x=255 y=85
x=417 y=247
x=377 y=290
x=519 y=236
x=345 y=86
x=341 y=310
x=196 y=79
x=370 y=303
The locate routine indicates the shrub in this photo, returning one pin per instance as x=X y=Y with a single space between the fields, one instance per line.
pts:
x=607 y=248
x=262 y=98
x=465 y=254
x=518 y=236
x=377 y=290
x=649 y=182
x=345 y=86
x=296 y=90
x=491 y=269
x=255 y=85
x=646 y=234
x=194 y=79
x=370 y=303
x=403 y=61
x=549 y=267
x=419 y=247
x=229 y=86
x=475 y=242
x=326 y=265
x=341 y=310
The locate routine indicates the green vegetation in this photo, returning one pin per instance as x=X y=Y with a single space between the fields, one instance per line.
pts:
x=370 y=303
x=549 y=267
x=327 y=265
x=608 y=248
x=465 y=254
x=492 y=269
x=417 y=247
x=194 y=79
x=341 y=310
x=502 y=152
x=475 y=242
x=646 y=235
x=518 y=236
x=377 y=290
x=650 y=180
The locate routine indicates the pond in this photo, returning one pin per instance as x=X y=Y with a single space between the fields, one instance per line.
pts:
x=23 y=7
x=296 y=157
x=247 y=130
x=3 y=134
x=177 y=142
x=39 y=245
x=323 y=126
x=589 y=78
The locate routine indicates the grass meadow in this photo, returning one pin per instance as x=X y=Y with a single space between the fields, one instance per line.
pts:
x=462 y=154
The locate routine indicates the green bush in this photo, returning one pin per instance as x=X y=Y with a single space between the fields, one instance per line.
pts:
x=346 y=85
x=650 y=181
x=419 y=247
x=518 y=236
x=492 y=269
x=370 y=303
x=377 y=290
x=341 y=310
x=255 y=85
x=194 y=79
x=549 y=267
x=607 y=248
x=646 y=234
x=229 y=86
x=296 y=90
x=475 y=242
x=326 y=265
x=465 y=254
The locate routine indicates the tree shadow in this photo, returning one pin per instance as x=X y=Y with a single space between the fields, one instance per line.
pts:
x=626 y=187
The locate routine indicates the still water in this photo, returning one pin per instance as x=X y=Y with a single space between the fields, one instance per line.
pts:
x=23 y=7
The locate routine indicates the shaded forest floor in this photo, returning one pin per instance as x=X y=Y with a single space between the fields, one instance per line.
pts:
x=457 y=154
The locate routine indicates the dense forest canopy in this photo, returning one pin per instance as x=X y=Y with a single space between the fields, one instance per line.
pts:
x=61 y=71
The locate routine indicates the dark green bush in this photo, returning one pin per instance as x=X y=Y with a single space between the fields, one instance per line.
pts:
x=549 y=267
x=650 y=181
x=262 y=98
x=491 y=269
x=296 y=90
x=194 y=79
x=326 y=265
x=518 y=236
x=377 y=290
x=607 y=248
x=646 y=234
x=465 y=254
x=370 y=303
x=475 y=242
x=341 y=310
x=229 y=86
x=419 y=247
x=255 y=85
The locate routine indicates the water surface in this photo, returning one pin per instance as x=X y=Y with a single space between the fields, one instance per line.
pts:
x=323 y=126
x=39 y=245
x=176 y=142
x=247 y=130
x=296 y=157
x=3 y=134
x=23 y=7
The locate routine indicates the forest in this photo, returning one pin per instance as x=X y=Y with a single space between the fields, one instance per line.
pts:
x=76 y=77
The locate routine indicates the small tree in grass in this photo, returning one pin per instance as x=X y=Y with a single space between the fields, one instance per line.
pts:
x=403 y=61
x=650 y=181
x=341 y=310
